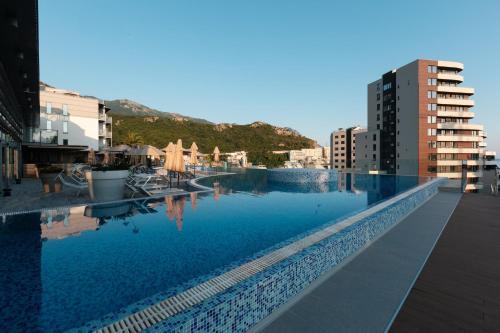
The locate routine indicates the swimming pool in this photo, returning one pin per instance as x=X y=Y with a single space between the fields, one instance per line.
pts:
x=68 y=267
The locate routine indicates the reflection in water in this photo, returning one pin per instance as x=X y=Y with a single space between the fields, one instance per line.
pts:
x=256 y=182
x=63 y=222
x=217 y=190
x=194 y=197
x=175 y=209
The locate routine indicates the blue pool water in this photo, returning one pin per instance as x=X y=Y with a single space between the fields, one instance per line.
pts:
x=60 y=269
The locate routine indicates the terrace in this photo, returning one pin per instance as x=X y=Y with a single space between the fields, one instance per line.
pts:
x=282 y=274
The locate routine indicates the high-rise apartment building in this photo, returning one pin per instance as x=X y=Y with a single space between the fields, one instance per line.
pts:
x=419 y=123
x=343 y=147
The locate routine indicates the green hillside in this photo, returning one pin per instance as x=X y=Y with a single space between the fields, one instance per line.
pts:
x=158 y=131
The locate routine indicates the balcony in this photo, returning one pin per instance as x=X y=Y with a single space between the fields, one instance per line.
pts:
x=109 y=120
x=490 y=153
x=450 y=77
x=101 y=116
x=458 y=175
x=109 y=134
x=460 y=126
x=44 y=136
x=458 y=162
x=455 y=101
x=458 y=150
x=450 y=64
x=456 y=114
x=455 y=90
x=462 y=138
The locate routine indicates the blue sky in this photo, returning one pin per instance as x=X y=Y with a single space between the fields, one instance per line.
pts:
x=302 y=64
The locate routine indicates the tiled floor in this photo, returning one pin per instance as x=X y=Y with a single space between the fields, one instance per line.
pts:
x=29 y=196
x=459 y=287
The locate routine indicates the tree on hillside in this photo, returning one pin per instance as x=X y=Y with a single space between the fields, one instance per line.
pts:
x=132 y=138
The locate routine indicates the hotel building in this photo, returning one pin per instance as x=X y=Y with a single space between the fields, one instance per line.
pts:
x=70 y=125
x=19 y=76
x=419 y=122
x=343 y=147
x=70 y=119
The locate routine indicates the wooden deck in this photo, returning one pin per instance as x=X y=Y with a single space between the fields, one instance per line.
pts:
x=459 y=288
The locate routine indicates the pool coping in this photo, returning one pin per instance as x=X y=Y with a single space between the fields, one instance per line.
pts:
x=171 y=306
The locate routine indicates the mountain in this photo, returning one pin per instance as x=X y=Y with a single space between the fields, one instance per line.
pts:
x=158 y=128
x=126 y=107
x=256 y=137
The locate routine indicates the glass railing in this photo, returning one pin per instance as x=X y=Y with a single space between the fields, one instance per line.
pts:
x=44 y=136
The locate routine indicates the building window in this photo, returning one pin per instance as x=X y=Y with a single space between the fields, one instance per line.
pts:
x=49 y=108
x=431 y=107
x=431 y=132
x=378 y=107
x=378 y=126
x=378 y=117
x=431 y=69
x=431 y=82
x=49 y=124
x=378 y=97
x=431 y=119
x=374 y=147
x=431 y=94
x=65 y=127
x=374 y=137
x=65 y=142
x=65 y=109
x=432 y=144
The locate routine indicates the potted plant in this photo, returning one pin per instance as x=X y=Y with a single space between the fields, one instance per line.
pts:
x=48 y=174
x=107 y=182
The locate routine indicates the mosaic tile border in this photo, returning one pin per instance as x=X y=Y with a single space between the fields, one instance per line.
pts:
x=239 y=298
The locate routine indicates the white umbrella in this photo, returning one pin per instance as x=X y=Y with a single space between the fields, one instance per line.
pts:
x=216 y=154
x=194 y=152
x=169 y=156
x=179 y=157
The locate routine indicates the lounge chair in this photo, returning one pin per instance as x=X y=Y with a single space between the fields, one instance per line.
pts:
x=72 y=183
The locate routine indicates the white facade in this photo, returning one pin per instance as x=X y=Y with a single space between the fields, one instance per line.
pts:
x=68 y=119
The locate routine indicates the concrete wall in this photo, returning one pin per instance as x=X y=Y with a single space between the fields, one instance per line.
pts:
x=407 y=115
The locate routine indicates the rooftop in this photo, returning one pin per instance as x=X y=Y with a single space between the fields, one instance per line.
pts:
x=454 y=291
